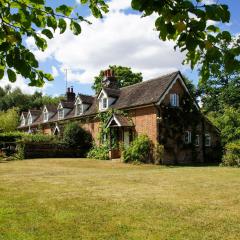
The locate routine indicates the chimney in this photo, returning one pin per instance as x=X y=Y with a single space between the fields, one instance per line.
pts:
x=109 y=79
x=70 y=95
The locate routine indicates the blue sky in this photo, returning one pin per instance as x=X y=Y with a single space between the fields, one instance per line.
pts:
x=121 y=38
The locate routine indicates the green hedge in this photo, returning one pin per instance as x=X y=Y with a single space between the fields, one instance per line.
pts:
x=99 y=152
x=11 y=136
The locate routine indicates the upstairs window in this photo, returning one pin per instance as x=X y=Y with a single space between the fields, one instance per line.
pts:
x=22 y=121
x=103 y=103
x=174 y=100
x=60 y=113
x=45 y=115
x=187 y=137
x=29 y=121
x=207 y=140
x=79 y=109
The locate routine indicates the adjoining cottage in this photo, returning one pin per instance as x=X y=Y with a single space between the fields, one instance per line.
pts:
x=161 y=108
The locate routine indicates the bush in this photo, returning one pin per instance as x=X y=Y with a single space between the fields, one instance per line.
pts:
x=138 y=151
x=232 y=154
x=158 y=153
x=99 y=152
x=38 y=138
x=11 y=136
x=75 y=136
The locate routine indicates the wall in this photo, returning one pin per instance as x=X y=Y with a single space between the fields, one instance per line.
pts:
x=145 y=121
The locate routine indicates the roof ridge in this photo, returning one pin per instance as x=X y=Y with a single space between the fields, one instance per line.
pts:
x=150 y=80
x=85 y=94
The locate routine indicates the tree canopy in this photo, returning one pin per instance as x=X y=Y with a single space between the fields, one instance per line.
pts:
x=124 y=75
x=187 y=23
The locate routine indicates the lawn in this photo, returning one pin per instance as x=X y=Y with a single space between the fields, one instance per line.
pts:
x=88 y=199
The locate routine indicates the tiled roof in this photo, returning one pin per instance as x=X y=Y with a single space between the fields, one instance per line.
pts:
x=144 y=93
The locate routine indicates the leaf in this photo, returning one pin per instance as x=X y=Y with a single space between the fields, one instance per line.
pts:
x=48 y=76
x=11 y=75
x=40 y=42
x=47 y=33
x=51 y=22
x=75 y=27
x=1 y=72
x=62 y=25
x=66 y=10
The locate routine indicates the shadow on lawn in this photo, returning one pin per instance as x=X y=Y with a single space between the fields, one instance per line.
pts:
x=216 y=164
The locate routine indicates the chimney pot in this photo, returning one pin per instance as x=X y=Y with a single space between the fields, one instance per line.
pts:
x=68 y=89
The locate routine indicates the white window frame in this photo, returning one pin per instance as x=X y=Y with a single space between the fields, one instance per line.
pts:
x=45 y=115
x=189 y=137
x=103 y=106
x=79 y=109
x=102 y=98
x=207 y=140
x=197 y=140
x=174 y=100
x=29 y=119
x=23 y=121
x=60 y=113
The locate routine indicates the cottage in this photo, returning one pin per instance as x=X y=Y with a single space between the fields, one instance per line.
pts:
x=161 y=108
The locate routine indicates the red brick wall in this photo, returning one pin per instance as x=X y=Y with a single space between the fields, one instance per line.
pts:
x=144 y=120
x=92 y=126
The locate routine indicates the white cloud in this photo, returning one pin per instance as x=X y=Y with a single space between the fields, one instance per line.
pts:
x=55 y=72
x=119 y=38
x=21 y=83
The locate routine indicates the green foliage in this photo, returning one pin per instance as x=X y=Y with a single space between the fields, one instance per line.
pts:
x=228 y=122
x=186 y=23
x=11 y=136
x=100 y=152
x=38 y=138
x=124 y=76
x=158 y=153
x=138 y=151
x=232 y=154
x=75 y=136
x=9 y=120
x=36 y=19
x=10 y=98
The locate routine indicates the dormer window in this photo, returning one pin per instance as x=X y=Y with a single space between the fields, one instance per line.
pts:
x=60 y=111
x=29 y=120
x=104 y=103
x=79 y=109
x=45 y=115
x=174 y=100
x=23 y=121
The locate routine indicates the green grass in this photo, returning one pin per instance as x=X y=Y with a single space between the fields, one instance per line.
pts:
x=87 y=199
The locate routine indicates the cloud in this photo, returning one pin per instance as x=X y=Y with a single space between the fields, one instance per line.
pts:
x=119 y=38
x=21 y=83
x=55 y=72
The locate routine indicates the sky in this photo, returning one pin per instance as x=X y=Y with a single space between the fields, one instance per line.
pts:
x=122 y=37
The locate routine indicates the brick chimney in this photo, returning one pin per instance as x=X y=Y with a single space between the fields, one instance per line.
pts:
x=70 y=95
x=109 y=79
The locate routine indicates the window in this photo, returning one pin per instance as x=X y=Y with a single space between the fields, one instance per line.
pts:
x=29 y=120
x=60 y=113
x=187 y=137
x=207 y=140
x=197 y=140
x=104 y=103
x=79 y=109
x=22 y=121
x=45 y=115
x=174 y=100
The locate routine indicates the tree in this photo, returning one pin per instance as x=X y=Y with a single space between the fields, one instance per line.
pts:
x=183 y=21
x=223 y=86
x=9 y=120
x=124 y=76
x=34 y=18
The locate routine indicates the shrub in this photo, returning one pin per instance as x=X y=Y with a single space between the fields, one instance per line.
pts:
x=11 y=136
x=232 y=154
x=99 y=152
x=138 y=151
x=38 y=138
x=76 y=136
x=158 y=153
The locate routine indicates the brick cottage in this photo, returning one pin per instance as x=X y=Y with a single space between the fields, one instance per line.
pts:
x=162 y=108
